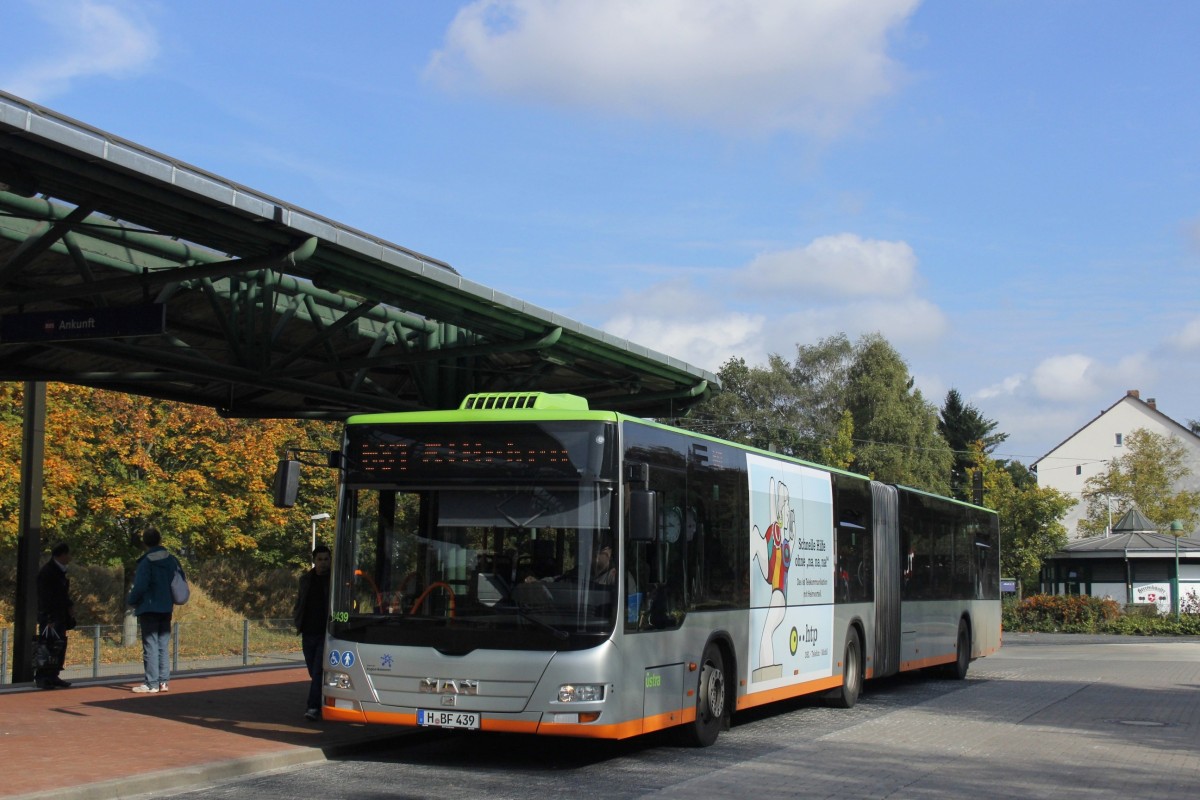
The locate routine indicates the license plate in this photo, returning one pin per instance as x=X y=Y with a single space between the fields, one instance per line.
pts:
x=448 y=719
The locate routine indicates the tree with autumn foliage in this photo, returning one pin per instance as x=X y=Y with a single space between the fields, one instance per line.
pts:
x=117 y=463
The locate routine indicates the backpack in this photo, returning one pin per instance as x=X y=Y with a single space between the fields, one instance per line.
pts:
x=180 y=592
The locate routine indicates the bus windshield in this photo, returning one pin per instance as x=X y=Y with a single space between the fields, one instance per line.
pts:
x=464 y=568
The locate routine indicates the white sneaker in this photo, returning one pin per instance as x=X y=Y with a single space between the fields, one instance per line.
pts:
x=144 y=689
x=162 y=687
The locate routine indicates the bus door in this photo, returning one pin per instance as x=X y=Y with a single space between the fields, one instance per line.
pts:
x=657 y=568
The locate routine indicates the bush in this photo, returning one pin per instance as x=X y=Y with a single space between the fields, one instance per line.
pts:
x=246 y=588
x=1059 y=613
x=1084 y=614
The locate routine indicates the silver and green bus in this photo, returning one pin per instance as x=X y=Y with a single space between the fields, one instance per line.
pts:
x=526 y=564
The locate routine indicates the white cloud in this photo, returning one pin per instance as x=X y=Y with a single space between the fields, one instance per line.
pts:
x=1066 y=378
x=679 y=318
x=765 y=66
x=707 y=342
x=844 y=264
x=1189 y=337
x=1005 y=388
x=834 y=284
x=1076 y=377
x=93 y=38
x=903 y=322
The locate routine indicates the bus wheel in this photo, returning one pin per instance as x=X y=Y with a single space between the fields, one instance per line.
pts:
x=711 y=707
x=846 y=695
x=957 y=669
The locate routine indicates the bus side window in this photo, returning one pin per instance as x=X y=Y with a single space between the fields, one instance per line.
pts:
x=855 y=581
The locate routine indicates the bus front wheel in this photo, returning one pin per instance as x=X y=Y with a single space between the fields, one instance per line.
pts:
x=846 y=695
x=711 y=706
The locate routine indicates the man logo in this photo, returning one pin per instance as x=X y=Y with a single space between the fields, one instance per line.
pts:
x=448 y=686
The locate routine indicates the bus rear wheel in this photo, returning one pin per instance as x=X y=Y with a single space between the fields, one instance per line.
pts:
x=957 y=669
x=711 y=704
x=846 y=695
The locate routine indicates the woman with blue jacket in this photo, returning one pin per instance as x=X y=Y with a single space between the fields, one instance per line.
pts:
x=152 y=602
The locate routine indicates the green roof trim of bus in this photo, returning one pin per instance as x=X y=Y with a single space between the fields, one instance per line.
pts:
x=944 y=497
x=545 y=401
x=483 y=415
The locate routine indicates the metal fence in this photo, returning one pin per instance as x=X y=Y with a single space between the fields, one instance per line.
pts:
x=114 y=651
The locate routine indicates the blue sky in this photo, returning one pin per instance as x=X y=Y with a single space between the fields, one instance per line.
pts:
x=1008 y=191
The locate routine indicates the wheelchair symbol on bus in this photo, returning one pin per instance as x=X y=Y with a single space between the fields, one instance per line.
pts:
x=342 y=658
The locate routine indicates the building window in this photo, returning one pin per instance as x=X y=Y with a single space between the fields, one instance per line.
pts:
x=1119 y=439
x=1078 y=469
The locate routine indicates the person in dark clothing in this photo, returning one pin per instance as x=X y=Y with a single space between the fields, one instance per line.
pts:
x=311 y=613
x=54 y=613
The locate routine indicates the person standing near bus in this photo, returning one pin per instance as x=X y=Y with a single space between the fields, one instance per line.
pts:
x=153 y=604
x=311 y=613
x=54 y=615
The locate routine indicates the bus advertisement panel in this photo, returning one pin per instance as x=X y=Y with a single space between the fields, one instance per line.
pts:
x=791 y=575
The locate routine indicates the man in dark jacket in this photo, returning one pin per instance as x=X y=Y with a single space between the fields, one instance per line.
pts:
x=311 y=613
x=54 y=614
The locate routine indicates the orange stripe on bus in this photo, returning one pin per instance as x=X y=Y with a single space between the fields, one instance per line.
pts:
x=349 y=715
x=788 y=692
x=621 y=730
x=922 y=663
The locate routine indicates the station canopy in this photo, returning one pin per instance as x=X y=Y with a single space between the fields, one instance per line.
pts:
x=127 y=270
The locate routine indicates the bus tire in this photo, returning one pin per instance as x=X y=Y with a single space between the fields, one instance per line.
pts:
x=957 y=669
x=712 y=706
x=846 y=695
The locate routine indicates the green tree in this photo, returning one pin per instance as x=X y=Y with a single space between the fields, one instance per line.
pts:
x=791 y=408
x=840 y=451
x=844 y=405
x=1146 y=476
x=820 y=374
x=896 y=430
x=757 y=406
x=1031 y=526
x=962 y=425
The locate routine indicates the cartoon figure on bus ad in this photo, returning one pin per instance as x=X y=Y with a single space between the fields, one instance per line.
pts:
x=772 y=550
x=791 y=573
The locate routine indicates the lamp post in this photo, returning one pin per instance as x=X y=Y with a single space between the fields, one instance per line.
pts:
x=1176 y=531
x=316 y=518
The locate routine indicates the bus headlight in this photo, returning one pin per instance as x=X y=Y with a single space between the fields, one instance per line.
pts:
x=580 y=692
x=338 y=680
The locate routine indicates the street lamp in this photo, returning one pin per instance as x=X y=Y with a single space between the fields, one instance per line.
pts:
x=315 y=518
x=1176 y=531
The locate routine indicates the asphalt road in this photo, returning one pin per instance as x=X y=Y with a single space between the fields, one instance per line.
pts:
x=1048 y=716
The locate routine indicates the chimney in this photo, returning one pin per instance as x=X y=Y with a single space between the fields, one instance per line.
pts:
x=1134 y=393
x=1150 y=402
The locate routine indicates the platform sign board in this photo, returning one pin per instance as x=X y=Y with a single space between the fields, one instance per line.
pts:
x=88 y=323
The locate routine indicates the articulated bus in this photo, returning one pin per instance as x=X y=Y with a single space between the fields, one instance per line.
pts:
x=526 y=564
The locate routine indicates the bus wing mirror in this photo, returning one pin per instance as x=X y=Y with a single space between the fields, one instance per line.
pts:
x=287 y=483
x=641 y=516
